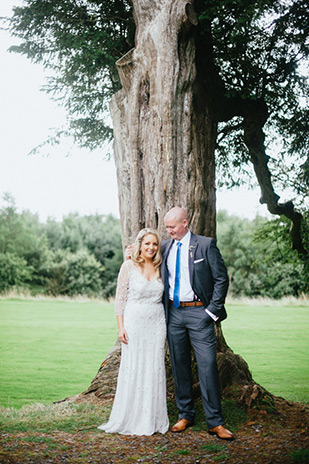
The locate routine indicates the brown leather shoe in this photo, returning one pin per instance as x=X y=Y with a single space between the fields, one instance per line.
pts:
x=222 y=433
x=181 y=425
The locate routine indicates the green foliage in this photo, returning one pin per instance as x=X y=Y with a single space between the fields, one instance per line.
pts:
x=182 y=452
x=80 y=255
x=73 y=274
x=233 y=413
x=260 y=49
x=285 y=272
x=19 y=232
x=259 y=259
x=213 y=447
x=23 y=248
x=251 y=58
x=100 y=235
x=83 y=254
x=81 y=41
x=300 y=456
x=14 y=271
x=257 y=47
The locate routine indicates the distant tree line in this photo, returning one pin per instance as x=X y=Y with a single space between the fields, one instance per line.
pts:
x=259 y=256
x=81 y=255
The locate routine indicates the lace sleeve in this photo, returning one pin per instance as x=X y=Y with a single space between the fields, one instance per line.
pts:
x=122 y=288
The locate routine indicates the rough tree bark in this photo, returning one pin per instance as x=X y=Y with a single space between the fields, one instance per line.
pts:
x=164 y=138
x=165 y=129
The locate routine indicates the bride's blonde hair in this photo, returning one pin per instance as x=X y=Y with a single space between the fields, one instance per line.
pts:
x=135 y=255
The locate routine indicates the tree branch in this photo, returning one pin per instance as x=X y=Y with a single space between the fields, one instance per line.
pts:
x=255 y=115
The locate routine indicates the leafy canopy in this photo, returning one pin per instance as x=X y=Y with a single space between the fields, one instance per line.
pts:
x=79 y=42
x=259 y=49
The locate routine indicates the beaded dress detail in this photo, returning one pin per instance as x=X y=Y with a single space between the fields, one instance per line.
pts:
x=140 y=402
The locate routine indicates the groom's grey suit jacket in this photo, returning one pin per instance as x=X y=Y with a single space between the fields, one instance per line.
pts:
x=208 y=274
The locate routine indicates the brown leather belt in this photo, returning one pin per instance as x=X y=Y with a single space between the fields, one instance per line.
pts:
x=189 y=303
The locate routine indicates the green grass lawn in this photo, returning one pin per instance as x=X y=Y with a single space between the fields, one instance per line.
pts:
x=273 y=339
x=53 y=349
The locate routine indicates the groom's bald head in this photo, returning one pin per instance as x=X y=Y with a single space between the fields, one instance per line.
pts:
x=176 y=222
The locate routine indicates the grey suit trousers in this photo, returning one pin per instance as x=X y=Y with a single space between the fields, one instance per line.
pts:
x=192 y=325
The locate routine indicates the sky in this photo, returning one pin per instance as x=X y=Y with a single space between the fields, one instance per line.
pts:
x=61 y=179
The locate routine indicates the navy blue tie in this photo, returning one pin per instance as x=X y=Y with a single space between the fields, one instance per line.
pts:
x=177 y=277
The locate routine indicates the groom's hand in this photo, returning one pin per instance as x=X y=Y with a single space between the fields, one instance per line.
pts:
x=128 y=252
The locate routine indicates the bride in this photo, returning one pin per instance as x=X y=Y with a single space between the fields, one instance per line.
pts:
x=140 y=402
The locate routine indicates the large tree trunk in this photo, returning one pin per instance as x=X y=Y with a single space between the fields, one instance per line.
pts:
x=165 y=130
x=164 y=138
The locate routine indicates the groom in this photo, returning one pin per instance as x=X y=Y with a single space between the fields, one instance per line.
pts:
x=196 y=283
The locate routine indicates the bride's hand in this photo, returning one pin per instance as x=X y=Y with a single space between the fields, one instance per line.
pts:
x=123 y=336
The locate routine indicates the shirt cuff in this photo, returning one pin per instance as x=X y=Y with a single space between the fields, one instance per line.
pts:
x=215 y=318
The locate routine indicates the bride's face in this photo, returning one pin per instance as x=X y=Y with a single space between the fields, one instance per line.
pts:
x=149 y=247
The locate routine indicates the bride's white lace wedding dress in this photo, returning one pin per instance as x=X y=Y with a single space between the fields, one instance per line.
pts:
x=140 y=402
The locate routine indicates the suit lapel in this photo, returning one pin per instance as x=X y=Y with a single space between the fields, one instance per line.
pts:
x=192 y=250
x=168 y=247
x=164 y=261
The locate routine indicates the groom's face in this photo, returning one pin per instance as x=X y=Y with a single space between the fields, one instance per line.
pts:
x=176 y=228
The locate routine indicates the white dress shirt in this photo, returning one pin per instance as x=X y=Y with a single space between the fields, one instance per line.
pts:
x=186 y=292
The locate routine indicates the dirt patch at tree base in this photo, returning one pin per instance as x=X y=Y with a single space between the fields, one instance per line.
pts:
x=265 y=438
